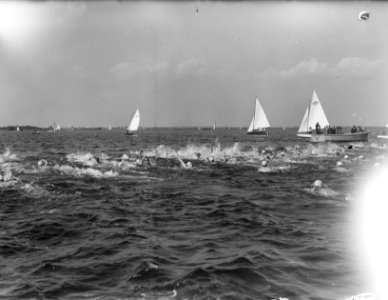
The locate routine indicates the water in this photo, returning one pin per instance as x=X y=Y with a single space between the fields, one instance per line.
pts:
x=80 y=220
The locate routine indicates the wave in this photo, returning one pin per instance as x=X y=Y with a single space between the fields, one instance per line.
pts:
x=75 y=171
x=7 y=156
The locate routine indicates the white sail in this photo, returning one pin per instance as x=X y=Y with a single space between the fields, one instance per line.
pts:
x=313 y=115
x=317 y=115
x=214 y=126
x=110 y=127
x=259 y=120
x=134 y=125
x=304 y=126
x=17 y=128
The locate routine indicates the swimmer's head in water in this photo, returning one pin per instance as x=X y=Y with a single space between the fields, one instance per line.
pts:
x=317 y=183
x=42 y=163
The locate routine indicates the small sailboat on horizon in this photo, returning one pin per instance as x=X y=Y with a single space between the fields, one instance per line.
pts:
x=134 y=125
x=56 y=127
x=259 y=121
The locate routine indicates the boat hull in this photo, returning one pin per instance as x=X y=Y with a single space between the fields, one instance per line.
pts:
x=258 y=133
x=130 y=133
x=305 y=136
x=383 y=137
x=340 y=138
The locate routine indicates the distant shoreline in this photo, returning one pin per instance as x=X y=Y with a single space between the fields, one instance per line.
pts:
x=35 y=128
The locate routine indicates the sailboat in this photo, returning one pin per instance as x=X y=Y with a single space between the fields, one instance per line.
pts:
x=17 y=128
x=259 y=121
x=110 y=127
x=56 y=127
x=383 y=136
x=134 y=125
x=314 y=114
x=214 y=126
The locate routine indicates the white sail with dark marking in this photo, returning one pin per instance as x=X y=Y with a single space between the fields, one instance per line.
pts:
x=314 y=114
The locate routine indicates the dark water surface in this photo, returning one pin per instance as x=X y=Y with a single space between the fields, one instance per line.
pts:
x=91 y=224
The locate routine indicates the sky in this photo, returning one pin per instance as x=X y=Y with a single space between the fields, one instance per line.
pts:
x=191 y=63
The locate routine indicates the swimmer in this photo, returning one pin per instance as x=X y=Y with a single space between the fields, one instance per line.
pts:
x=139 y=162
x=42 y=163
x=7 y=175
x=149 y=160
x=152 y=161
x=317 y=185
x=184 y=165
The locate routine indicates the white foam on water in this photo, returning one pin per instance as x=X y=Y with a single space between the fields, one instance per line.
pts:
x=124 y=157
x=364 y=296
x=323 y=191
x=7 y=184
x=125 y=165
x=340 y=169
x=7 y=172
x=75 y=171
x=264 y=170
x=8 y=156
x=34 y=190
x=86 y=159
x=274 y=169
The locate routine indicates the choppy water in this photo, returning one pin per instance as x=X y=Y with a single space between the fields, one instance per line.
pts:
x=80 y=220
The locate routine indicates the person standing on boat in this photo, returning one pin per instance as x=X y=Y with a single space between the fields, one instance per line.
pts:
x=318 y=128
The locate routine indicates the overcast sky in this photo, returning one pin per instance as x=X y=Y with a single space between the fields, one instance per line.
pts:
x=191 y=63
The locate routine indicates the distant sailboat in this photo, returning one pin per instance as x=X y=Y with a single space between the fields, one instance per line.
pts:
x=56 y=127
x=314 y=114
x=17 y=128
x=134 y=125
x=110 y=127
x=214 y=126
x=259 y=121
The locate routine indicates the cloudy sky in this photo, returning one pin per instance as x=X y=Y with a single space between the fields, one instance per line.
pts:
x=191 y=63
